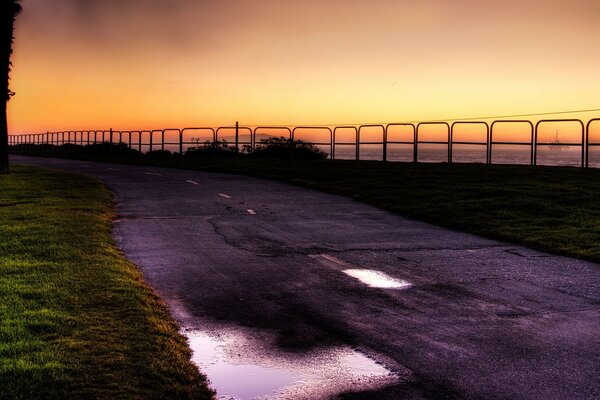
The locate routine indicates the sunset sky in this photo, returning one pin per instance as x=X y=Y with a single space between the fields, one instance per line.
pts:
x=144 y=64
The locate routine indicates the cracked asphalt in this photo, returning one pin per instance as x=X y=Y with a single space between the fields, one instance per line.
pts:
x=482 y=319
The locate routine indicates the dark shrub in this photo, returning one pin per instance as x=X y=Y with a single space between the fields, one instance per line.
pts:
x=106 y=148
x=288 y=148
x=160 y=154
x=212 y=149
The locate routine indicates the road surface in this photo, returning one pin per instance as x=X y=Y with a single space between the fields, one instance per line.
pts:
x=480 y=320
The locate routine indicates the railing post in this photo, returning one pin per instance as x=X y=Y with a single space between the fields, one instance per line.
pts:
x=181 y=143
x=237 y=136
x=385 y=137
x=534 y=145
x=416 y=146
x=357 y=144
x=110 y=147
x=450 y=144
x=587 y=145
x=583 y=148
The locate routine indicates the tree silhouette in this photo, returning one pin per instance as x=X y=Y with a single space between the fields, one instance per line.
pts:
x=8 y=12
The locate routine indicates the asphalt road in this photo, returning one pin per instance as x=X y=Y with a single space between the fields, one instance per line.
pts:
x=482 y=319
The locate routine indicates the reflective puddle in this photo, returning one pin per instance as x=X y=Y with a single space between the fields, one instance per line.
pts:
x=377 y=279
x=241 y=367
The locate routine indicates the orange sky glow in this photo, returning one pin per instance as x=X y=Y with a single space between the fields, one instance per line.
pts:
x=146 y=64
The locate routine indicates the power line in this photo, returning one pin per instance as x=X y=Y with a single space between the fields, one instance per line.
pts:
x=519 y=115
x=437 y=120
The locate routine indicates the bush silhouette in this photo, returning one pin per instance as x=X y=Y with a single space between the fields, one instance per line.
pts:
x=212 y=149
x=280 y=147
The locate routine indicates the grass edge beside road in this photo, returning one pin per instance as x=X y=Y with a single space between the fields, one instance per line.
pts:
x=551 y=209
x=76 y=318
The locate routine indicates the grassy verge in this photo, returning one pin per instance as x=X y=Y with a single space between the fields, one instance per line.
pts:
x=547 y=208
x=76 y=319
x=554 y=209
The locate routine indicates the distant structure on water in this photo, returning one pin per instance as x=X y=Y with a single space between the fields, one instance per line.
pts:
x=555 y=144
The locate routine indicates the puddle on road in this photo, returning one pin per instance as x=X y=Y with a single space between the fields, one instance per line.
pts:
x=377 y=279
x=241 y=367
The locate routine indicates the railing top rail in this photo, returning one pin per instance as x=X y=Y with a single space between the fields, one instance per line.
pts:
x=592 y=121
x=274 y=127
x=544 y=121
x=433 y=123
x=470 y=123
x=198 y=129
x=506 y=121
x=312 y=127
x=371 y=126
x=234 y=127
x=345 y=127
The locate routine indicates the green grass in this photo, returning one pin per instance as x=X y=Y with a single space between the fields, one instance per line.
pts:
x=547 y=208
x=553 y=209
x=76 y=319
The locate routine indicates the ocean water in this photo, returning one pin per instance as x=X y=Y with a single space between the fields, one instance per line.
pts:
x=434 y=153
x=501 y=154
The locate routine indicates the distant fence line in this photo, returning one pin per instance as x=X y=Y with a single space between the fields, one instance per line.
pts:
x=162 y=139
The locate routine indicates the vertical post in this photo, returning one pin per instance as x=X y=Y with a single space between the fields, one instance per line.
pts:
x=583 y=142
x=534 y=146
x=110 y=137
x=237 y=136
x=385 y=136
x=450 y=140
x=151 y=134
x=180 y=144
x=416 y=145
x=357 y=144
x=332 y=143
x=587 y=145
x=488 y=148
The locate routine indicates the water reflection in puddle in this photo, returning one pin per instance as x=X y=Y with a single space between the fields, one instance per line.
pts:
x=377 y=279
x=242 y=368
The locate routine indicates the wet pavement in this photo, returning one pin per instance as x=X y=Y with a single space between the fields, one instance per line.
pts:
x=241 y=367
x=252 y=267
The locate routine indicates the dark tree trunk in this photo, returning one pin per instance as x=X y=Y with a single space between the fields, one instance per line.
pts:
x=3 y=139
x=8 y=11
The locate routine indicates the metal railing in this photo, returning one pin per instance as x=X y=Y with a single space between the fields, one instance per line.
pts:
x=587 y=141
x=180 y=140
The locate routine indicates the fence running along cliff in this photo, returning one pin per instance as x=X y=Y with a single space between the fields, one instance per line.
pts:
x=408 y=138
